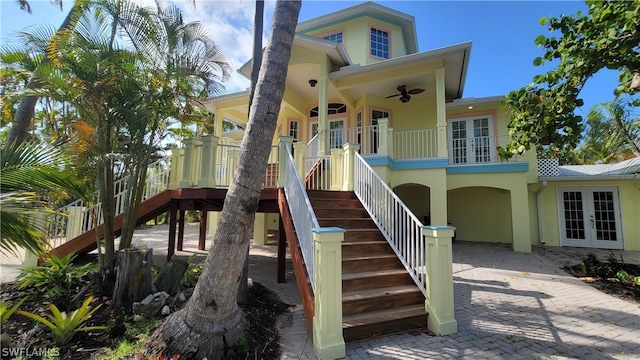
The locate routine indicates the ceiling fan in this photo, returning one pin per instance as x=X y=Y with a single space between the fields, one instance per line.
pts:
x=405 y=95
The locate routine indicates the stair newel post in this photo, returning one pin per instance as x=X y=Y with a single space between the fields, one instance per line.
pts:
x=348 y=164
x=299 y=155
x=177 y=159
x=189 y=163
x=336 y=169
x=208 y=167
x=439 y=303
x=284 y=141
x=328 y=342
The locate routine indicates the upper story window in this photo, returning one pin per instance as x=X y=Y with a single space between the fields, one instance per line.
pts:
x=333 y=108
x=379 y=43
x=337 y=37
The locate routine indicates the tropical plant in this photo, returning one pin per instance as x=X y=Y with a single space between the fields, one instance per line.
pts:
x=6 y=311
x=612 y=134
x=214 y=300
x=129 y=72
x=29 y=172
x=55 y=278
x=63 y=327
x=607 y=37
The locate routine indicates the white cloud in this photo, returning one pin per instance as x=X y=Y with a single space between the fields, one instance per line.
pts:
x=230 y=25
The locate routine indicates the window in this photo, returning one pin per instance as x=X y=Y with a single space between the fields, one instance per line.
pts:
x=314 y=129
x=333 y=108
x=337 y=37
x=379 y=43
x=471 y=140
x=293 y=130
x=336 y=134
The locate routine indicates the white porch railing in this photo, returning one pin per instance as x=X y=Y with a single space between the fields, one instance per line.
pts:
x=477 y=150
x=318 y=173
x=366 y=136
x=75 y=218
x=226 y=156
x=415 y=144
x=401 y=228
x=304 y=218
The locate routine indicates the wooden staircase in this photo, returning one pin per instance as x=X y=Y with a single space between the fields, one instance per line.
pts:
x=378 y=295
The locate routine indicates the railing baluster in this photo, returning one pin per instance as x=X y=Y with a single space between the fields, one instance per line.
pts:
x=401 y=228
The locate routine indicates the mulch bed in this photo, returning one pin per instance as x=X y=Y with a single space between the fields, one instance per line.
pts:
x=262 y=310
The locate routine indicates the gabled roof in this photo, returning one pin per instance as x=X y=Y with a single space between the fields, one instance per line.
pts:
x=404 y=21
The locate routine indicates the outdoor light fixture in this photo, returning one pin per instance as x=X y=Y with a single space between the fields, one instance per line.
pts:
x=313 y=82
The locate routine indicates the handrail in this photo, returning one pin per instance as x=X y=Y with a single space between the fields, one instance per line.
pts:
x=401 y=228
x=313 y=146
x=304 y=218
x=60 y=230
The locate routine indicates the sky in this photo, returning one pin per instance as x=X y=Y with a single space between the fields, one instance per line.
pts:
x=502 y=35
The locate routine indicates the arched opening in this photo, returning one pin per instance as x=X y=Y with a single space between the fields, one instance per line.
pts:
x=417 y=198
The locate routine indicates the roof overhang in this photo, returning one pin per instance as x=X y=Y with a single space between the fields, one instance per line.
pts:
x=409 y=70
x=334 y=51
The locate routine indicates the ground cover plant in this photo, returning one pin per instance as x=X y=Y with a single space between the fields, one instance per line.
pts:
x=612 y=275
x=31 y=320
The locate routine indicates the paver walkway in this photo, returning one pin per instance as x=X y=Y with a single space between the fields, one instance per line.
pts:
x=508 y=306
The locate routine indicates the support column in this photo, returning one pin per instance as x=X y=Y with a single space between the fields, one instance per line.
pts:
x=177 y=159
x=383 y=139
x=438 y=193
x=284 y=141
x=208 y=169
x=323 y=106
x=75 y=221
x=299 y=155
x=213 y=218
x=347 y=165
x=439 y=302
x=336 y=169
x=441 y=114
x=520 y=219
x=328 y=342
x=189 y=164
x=260 y=229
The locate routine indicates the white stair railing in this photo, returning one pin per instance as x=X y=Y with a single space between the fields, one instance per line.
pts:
x=313 y=146
x=401 y=228
x=75 y=218
x=304 y=218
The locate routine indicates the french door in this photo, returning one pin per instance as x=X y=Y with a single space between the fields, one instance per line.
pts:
x=590 y=217
x=471 y=141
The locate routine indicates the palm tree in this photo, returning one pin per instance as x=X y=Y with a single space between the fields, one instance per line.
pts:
x=613 y=133
x=29 y=172
x=211 y=321
x=129 y=71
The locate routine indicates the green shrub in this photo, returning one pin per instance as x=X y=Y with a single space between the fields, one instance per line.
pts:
x=622 y=275
x=64 y=326
x=6 y=311
x=190 y=277
x=55 y=278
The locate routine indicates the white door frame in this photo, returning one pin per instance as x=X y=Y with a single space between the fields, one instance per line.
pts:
x=592 y=223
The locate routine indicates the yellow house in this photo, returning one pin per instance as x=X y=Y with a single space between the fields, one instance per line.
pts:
x=378 y=162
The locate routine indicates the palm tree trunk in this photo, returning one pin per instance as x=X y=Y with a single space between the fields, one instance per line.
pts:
x=211 y=322
x=26 y=109
x=255 y=71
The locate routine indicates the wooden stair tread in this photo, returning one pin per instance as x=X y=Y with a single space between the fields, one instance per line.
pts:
x=369 y=257
x=378 y=316
x=366 y=274
x=379 y=292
